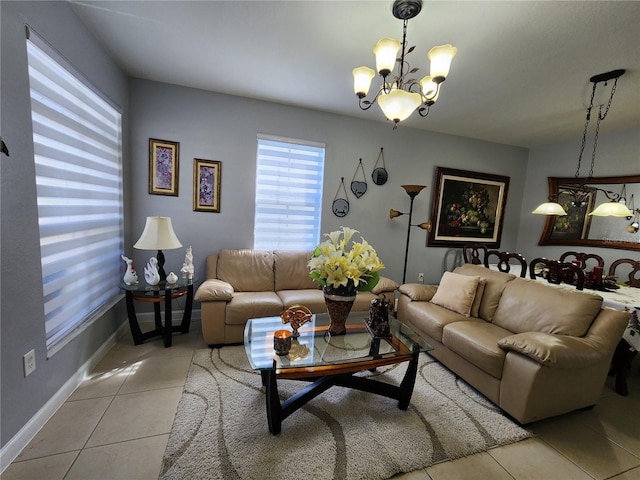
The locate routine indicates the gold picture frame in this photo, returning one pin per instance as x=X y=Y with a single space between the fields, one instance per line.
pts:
x=206 y=185
x=164 y=167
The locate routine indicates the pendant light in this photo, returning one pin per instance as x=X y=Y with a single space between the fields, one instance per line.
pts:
x=614 y=207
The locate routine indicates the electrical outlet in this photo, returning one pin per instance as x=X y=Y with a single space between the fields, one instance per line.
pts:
x=421 y=277
x=29 y=362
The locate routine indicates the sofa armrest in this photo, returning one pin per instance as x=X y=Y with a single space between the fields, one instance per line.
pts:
x=558 y=351
x=418 y=292
x=214 y=290
x=384 y=285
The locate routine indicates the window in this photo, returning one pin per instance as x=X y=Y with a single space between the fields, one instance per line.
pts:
x=77 y=145
x=289 y=177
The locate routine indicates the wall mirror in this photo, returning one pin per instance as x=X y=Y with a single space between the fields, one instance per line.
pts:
x=578 y=228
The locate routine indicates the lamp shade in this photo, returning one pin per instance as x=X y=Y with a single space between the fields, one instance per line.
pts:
x=611 y=209
x=362 y=77
x=550 y=208
x=386 y=51
x=430 y=90
x=158 y=234
x=398 y=104
x=440 y=58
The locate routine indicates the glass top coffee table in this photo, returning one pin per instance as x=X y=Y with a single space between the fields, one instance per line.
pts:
x=330 y=360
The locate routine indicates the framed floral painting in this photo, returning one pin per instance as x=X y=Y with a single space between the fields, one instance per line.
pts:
x=206 y=185
x=468 y=207
x=164 y=167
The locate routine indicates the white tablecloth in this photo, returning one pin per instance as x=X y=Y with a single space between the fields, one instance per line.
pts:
x=625 y=298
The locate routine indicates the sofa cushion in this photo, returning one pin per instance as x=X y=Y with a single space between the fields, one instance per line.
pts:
x=475 y=306
x=312 y=298
x=246 y=270
x=476 y=340
x=246 y=305
x=431 y=318
x=531 y=306
x=496 y=281
x=456 y=292
x=291 y=270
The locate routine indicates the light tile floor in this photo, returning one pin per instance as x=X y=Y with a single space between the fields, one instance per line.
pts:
x=117 y=423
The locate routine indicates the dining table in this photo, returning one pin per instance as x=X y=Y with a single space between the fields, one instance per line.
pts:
x=625 y=298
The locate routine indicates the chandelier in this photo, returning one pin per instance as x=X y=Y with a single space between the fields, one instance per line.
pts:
x=400 y=95
x=616 y=206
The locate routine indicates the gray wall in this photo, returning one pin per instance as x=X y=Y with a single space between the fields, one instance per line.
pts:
x=22 y=316
x=222 y=127
x=617 y=154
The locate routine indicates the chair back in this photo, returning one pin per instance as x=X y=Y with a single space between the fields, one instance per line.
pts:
x=504 y=261
x=582 y=258
x=558 y=271
x=634 y=274
x=471 y=253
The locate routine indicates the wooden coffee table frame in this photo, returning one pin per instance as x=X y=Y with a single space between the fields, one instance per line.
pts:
x=342 y=375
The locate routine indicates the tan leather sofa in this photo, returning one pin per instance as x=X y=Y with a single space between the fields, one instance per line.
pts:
x=244 y=284
x=534 y=350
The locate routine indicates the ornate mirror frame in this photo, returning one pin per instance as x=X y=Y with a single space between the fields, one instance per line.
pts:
x=554 y=183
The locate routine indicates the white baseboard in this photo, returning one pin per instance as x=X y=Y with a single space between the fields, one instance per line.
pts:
x=20 y=440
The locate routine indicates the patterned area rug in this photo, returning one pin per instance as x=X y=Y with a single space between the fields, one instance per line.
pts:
x=221 y=432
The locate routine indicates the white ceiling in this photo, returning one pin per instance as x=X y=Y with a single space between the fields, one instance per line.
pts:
x=521 y=75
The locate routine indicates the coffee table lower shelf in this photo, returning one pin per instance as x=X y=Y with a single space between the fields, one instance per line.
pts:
x=325 y=378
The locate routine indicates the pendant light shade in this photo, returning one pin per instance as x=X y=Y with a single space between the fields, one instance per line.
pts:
x=550 y=208
x=440 y=58
x=430 y=90
x=612 y=209
x=386 y=52
x=399 y=104
x=362 y=77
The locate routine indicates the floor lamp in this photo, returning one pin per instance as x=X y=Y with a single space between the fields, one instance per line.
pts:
x=412 y=191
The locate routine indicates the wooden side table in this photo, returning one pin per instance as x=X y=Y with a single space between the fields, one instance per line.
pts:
x=158 y=294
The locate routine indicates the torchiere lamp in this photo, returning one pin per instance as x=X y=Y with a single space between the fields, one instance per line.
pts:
x=412 y=191
x=158 y=235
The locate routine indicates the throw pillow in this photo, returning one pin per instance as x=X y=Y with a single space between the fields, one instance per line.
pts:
x=475 y=306
x=456 y=292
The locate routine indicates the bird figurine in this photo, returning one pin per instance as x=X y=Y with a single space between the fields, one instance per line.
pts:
x=130 y=276
x=151 y=275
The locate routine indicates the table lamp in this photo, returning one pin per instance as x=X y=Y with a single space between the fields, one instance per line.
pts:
x=158 y=235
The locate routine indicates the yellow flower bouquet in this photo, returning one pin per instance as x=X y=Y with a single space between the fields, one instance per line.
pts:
x=343 y=265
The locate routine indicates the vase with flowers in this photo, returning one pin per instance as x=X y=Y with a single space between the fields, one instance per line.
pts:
x=343 y=267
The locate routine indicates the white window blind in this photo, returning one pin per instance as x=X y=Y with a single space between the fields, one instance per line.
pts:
x=77 y=144
x=289 y=178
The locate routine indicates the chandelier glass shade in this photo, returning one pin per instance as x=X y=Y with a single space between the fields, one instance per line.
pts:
x=550 y=208
x=400 y=94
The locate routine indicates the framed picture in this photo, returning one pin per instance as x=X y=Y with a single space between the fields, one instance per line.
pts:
x=206 y=185
x=468 y=207
x=164 y=167
x=575 y=224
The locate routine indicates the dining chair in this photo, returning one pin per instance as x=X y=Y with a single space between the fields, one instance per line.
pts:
x=471 y=253
x=634 y=274
x=558 y=272
x=503 y=261
x=582 y=258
